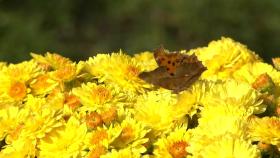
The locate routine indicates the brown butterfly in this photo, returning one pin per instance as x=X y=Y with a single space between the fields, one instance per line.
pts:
x=176 y=71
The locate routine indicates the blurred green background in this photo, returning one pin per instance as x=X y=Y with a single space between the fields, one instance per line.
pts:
x=81 y=28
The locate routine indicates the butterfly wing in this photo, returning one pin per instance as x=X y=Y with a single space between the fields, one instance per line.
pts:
x=176 y=71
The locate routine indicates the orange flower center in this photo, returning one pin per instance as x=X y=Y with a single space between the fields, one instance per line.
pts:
x=101 y=94
x=127 y=133
x=98 y=136
x=97 y=152
x=65 y=73
x=93 y=120
x=110 y=115
x=178 y=149
x=72 y=101
x=132 y=71
x=14 y=134
x=17 y=90
x=273 y=123
x=261 y=81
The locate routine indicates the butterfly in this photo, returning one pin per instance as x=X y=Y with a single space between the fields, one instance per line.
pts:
x=176 y=71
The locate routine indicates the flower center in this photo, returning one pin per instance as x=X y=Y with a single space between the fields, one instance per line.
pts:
x=65 y=73
x=97 y=152
x=17 y=90
x=274 y=123
x=110 y=115
x=178 y=149
x=14 y=134
x=98 y=136
x=101 y=94
x=93 y=120
x=72 y=101
x=132 y=71
x=127 y=133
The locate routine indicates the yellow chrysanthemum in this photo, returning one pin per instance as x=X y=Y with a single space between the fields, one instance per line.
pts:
x=41 y=122
x=119 y=70
x=234 y=93
x=223 y=57
x=228 y=92
x=156 y=110
x=66 y=73
x=133 y=133
x=60 y=69
x=93 y=96
x=66 y=142
x=234 y=120
x=51 y=60
x=55 y=100
x=14 y=80
x=195 y=94
x=23 y=147
x=228 y=146
x=251 y=71
x=102 y=136
x=174 y=145
x=42 y=84
x=266 y=130
x=12 y=122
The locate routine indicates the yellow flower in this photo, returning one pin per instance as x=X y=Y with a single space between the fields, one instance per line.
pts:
x=133 y=133
x=100 y=139
x=42 y=84
x=51 y=60
x=66 y=142
x=119 y=70
x=195 y=94
x=93 y=96
x=39 y=123
x=97 y=152
x=228 y=146
x=156 y=110
x=66 y=73
x=266 y=129
x=21 y=72
x=251 y=71
x=234 y=93
x=174 y=145
x=60 y=69
x=223 y=57
x=55 y=100
x=12 y=122
x=14 y=80
x=234 y=120
x=23 y=147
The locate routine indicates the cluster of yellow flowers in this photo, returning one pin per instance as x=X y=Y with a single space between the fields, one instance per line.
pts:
x=52 y=107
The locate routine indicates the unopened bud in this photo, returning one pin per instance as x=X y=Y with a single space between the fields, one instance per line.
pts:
x=264 y=84
x=276 y=63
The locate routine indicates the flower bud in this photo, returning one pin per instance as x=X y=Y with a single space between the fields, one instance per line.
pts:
x=276 y=63
x=264 y=84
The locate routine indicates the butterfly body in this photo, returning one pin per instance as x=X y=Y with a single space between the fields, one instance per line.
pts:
x=176 y=71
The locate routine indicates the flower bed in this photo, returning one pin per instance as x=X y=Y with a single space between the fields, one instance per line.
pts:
x=53 y=107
